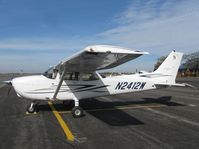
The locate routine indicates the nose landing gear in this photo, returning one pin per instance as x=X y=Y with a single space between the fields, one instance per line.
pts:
x=32 y=107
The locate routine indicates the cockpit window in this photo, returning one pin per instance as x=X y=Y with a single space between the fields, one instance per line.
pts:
x=51 y=73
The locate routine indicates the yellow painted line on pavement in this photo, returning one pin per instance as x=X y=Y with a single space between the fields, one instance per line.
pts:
x=119 y=108
x=62 y=123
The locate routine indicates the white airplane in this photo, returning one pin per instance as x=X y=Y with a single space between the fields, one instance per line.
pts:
x=77 y=78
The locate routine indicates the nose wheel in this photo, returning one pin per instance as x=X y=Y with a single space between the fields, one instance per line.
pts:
x=31 y=108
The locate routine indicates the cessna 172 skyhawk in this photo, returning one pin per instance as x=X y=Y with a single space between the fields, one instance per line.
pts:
x=77 y=78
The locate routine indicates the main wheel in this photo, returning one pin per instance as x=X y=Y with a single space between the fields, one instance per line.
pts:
x=77 y=112
x=31 y=108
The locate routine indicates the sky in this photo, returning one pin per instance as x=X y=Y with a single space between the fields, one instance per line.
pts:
x=36 y=34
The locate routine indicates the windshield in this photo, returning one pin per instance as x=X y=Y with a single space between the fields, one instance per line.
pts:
x=51 y=73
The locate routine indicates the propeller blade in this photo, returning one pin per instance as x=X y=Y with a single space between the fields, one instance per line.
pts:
x=9 y=90
x=9 y=82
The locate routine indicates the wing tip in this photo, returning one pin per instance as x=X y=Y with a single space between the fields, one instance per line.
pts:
x=145 y=52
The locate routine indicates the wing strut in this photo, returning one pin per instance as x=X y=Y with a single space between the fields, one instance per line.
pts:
x=60 y=83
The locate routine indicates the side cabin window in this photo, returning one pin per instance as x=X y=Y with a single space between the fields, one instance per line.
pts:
x=75 y=76
x=89 y=77
x=71 y=76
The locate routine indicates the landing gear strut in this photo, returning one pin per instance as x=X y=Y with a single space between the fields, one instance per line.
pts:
x=32 y=107
x=77 y=111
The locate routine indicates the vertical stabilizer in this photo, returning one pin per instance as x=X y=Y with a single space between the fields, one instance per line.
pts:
x=169 y=67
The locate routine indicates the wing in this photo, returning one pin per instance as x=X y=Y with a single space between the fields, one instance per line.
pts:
x=98 y=57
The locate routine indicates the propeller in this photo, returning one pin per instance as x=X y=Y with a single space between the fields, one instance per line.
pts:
x=9 y=83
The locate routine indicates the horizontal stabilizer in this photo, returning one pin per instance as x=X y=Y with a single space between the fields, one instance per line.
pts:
x=176 y=84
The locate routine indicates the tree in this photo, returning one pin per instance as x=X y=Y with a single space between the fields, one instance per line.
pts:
x=191 y=61
x=159 y=62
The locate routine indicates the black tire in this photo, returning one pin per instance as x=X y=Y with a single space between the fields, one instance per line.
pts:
x=77 y=112
x=31 y=109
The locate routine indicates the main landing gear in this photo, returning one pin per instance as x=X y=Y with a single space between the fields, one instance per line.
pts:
x=32 y=107
x=77 y=111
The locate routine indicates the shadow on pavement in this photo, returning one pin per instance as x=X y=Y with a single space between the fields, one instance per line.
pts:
x=108 y=112
x=165 y=100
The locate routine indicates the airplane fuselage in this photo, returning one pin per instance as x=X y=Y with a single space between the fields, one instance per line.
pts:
x=41 y=88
